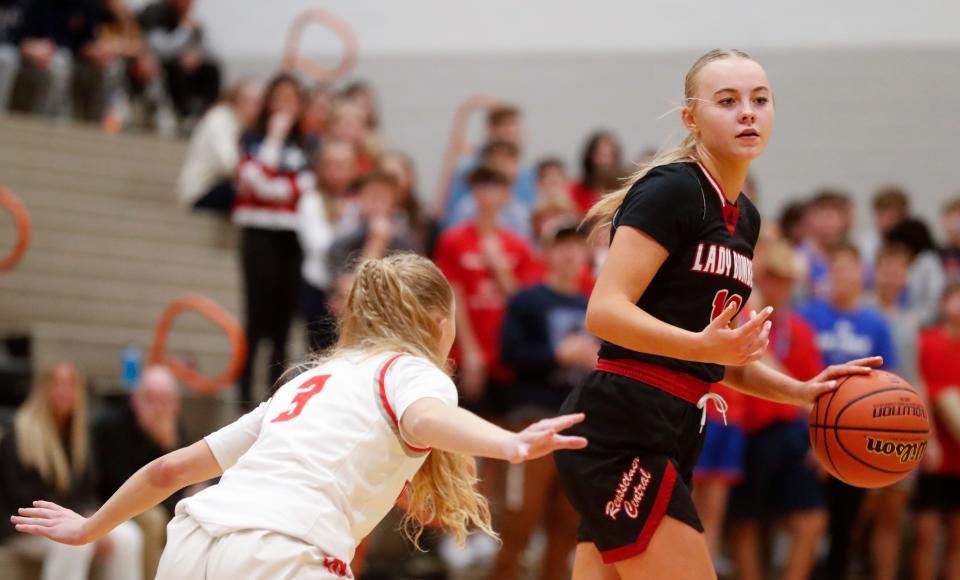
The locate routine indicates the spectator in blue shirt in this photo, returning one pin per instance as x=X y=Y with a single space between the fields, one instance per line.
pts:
x=504 y=124
x=846 y=329
x=503 y=156
x=824 y=227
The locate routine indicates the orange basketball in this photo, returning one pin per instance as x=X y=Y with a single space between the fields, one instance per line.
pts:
x=870 y=431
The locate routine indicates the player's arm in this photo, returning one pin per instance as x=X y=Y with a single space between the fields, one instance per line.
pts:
x=762 y=381
x=614 y=316
x=429 y=422
x=150 y=485
x=146 y=488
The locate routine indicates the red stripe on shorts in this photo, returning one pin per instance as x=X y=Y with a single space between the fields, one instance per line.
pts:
x=678 y=384
x=649 y=526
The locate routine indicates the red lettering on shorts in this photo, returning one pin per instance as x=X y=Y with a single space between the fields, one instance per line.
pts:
x=631 y=506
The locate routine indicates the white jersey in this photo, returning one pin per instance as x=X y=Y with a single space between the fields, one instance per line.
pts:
x=323 y=460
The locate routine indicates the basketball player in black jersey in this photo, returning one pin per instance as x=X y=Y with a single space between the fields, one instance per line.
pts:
x=677 y=274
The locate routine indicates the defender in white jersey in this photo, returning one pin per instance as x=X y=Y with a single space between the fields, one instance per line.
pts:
x=309 y=473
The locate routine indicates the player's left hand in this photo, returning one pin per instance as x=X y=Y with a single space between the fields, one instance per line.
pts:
x=830 y=377
x=543 y=437
x=52 y=521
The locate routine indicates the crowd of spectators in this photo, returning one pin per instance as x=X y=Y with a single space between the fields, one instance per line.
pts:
x=305 y=174
x=98 y=61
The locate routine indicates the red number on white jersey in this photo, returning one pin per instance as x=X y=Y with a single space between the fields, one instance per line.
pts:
x=720 y=302
x=305 y=392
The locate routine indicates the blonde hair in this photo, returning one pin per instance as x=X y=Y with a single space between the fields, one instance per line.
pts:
x=601 y=214
x=391 y=307
x=39 y=444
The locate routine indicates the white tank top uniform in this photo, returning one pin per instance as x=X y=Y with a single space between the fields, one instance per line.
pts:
x=319 y=464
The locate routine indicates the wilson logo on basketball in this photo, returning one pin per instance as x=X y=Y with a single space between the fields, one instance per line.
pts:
x=630 y=507
x=906 y=451
x=902 y=409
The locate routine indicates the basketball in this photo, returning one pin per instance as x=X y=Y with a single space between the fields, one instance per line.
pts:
x=871 y=431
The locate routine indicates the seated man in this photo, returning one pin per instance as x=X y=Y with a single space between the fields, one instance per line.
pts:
x=128 y=437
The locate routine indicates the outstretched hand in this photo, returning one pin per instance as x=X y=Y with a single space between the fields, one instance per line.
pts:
x=721 y=344
x=830 y=377
x=543 y=437
x=52 y=521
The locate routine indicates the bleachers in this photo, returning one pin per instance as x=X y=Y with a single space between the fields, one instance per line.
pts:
x=110 y=248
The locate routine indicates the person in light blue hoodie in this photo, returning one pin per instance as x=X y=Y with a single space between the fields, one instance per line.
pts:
x=504 y=126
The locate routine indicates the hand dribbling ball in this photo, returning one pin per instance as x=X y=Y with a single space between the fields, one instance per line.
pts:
x=871 y=431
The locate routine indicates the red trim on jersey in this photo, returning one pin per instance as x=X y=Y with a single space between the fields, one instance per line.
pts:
x=650 y=526
x=389 y=409
x=714 y=183
x=731 y=211
x=677 y=383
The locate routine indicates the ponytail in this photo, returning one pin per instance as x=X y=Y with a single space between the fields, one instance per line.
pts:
x=444 y=493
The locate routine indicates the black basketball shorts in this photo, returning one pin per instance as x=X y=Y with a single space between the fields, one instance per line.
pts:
x=638 y=465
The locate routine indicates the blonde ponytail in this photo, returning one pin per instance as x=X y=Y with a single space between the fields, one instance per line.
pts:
x=391 y=307
x=443 y=493
x=601 y=214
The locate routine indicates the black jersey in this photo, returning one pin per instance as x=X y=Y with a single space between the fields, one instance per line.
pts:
x=710 y=242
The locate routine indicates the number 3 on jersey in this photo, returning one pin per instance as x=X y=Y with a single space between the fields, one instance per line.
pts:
x=305 y=392
x=720 y=303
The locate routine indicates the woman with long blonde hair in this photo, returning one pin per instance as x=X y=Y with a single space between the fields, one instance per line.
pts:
x=678 y=271
x=48 y=452
x=311 y=471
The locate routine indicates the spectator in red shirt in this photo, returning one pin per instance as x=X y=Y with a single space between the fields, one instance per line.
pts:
x=486 y=264
x=601 y=168
x=938 y=491
x=779 y=480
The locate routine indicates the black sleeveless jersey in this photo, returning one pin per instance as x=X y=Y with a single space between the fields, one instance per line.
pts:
x=710 y=242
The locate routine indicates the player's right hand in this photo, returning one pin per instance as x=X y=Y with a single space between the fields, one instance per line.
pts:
x=52 y=521
x=543 y=437
x=720 y=344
